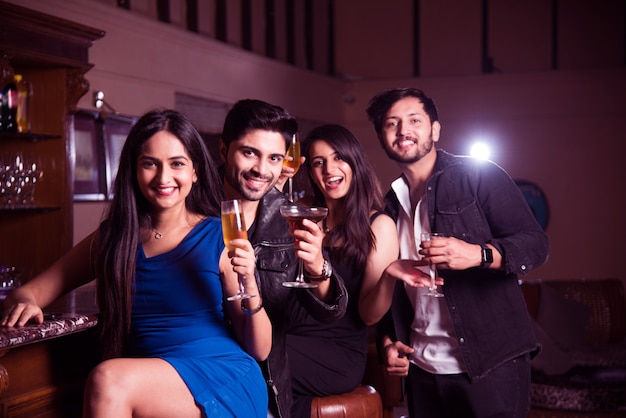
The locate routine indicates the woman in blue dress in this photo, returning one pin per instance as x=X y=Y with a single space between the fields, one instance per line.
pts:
x=171 y=346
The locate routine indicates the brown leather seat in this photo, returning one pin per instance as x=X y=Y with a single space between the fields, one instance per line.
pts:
x=362 y=402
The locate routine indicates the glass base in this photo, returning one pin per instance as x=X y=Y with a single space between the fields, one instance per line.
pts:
x=239 y=296
x=434 y=293
x=300 y=285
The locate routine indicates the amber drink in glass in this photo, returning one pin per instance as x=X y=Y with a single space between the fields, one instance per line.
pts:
x=233 y=227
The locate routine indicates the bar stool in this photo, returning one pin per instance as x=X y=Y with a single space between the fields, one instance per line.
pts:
x=362 y=402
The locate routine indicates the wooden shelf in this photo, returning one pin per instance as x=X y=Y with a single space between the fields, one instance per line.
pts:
x=26 y=136
x=52 y=55
x=35 y=209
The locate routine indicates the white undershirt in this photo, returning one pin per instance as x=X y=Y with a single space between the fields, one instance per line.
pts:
x=432 y=334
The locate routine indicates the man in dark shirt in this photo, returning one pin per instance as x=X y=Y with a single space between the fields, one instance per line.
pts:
x=466 y=354
x=254 y=141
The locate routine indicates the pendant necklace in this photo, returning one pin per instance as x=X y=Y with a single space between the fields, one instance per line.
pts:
x=325 y=227
x=157 y=234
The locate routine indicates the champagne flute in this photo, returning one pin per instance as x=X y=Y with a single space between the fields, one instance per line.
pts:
x=295 y=214
x=294 y=152
x=233 y=227
x=432 y=270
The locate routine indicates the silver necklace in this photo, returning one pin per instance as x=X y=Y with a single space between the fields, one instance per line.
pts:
x=157 y=234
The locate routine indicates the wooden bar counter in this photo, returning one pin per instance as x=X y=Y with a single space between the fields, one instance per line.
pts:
x=43 y=367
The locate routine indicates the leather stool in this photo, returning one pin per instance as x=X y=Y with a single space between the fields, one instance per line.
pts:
x=362 y=402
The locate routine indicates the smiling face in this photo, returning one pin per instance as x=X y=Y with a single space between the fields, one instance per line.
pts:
x=165 y=172
x=329 y=171
x=252 y=164
x=407 y=133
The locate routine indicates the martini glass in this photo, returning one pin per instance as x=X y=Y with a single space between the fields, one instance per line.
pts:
x=234 y=226
x=294 y=152
x=295 y=214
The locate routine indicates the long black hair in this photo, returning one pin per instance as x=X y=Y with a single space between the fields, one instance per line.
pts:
x=129 y=212
x=353 y=233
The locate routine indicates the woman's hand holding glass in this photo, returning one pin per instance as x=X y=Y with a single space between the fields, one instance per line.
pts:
x=308 y=237
x=309 y=246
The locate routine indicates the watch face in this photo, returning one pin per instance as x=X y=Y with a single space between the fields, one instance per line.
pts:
x=536 y=199
x=487 y=255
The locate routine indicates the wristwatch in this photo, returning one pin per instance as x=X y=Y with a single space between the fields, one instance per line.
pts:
x=327 y=271
x=487 y=256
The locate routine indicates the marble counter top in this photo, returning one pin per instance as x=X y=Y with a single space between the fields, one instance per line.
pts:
x=74 y=312
x=65 y=324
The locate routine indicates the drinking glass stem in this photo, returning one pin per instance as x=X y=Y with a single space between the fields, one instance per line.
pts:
x=290 y=184
x=300 y=277
x=433 y=275
x=241 y=289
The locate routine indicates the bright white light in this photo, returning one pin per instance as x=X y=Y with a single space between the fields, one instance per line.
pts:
x=480 y=150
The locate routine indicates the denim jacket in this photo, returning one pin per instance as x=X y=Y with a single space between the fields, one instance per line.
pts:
x=477 y=201
x=277 y=263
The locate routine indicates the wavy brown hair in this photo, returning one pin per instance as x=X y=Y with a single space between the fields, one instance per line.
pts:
x=354 y=234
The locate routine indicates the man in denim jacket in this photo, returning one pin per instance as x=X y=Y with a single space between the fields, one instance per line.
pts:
x=466 y=354
x=254 y=141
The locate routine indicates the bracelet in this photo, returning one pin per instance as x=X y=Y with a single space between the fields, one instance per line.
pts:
x=321 y=278
x=252 y=311
x=327 y=271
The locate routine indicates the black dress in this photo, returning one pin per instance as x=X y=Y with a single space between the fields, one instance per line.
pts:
x=327 y=359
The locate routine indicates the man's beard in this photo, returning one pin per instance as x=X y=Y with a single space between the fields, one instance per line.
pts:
x=251 y=195
x=422 y=151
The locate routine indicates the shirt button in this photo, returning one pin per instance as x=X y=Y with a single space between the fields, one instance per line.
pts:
x=284 y=264
x=461 y=340
x=523 y=267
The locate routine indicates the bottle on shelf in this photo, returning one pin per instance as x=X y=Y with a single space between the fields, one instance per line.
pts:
x=9 y=107
x=24 y=94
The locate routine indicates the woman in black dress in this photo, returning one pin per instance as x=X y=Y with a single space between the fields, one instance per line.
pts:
x=361 y=240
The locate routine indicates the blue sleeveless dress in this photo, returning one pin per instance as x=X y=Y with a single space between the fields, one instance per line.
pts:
x=178 y=317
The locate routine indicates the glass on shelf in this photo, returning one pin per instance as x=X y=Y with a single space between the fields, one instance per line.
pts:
x=19 y=175
x=9 y=279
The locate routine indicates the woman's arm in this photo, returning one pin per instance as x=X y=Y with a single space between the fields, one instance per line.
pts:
x=250 y=322
x=72 y=270
x=328 y=301
x=384 y=268
x=377 y=287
